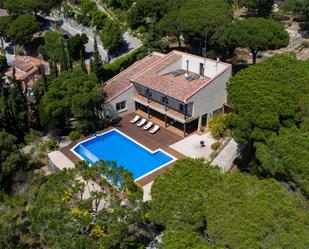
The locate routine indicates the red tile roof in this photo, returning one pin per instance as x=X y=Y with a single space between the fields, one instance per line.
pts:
x=121 y=82
x=147 y=72
x=175 y=87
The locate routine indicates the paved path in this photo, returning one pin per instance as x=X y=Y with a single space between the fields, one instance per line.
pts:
x=227 y=156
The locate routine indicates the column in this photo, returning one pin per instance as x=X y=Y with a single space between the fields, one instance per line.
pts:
x=184 y=129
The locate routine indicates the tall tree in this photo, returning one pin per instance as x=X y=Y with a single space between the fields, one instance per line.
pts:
x=64 y=101
x=10 y=158
x=270 y=113
x=261 y=7
x=199 y=207
x=19 y=7
x=258 y=34
x=22 y=29
x=96 y=61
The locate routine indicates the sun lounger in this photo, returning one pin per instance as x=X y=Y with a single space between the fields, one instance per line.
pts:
x=147 y=126
x=135 y=119
x=142 y=122
x=154 y=129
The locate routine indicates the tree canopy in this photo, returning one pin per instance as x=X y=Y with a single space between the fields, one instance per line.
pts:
x=111 y=37
x=20 y=7
x=74 y=94
x=10 y=157
x=199 y=207
x=78 y=208
x=270 y=111
x=23 y=28
x=258 y=34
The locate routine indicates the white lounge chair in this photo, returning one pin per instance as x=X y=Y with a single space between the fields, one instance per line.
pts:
x=142 y=122
x=135 y=119
x=154 y=129
x=147 y=126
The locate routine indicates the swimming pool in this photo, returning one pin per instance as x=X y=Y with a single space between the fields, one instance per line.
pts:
x=114 y=145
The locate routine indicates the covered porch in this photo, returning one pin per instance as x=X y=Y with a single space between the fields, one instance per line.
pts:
x=172 y=120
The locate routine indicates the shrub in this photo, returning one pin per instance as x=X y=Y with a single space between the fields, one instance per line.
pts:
x=215 y=145
x=49 y=145
x=74 y=135
x=218 y=125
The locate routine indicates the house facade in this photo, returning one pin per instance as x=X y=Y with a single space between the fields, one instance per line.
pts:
x=181 y=89
x=27 y=70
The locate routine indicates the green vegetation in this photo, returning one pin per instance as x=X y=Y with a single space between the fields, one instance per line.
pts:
x=57 y=213
x=199 y=207
x=22 y=29
x=258 y=34
x=218 y=125
x=300 y=8
x=215 y=146
x=111 y=37
x=10 y=158
x=74 y=135
x=20 y=7
x=72 y=95
x=270 y=112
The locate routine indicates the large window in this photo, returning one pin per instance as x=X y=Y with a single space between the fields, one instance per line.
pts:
x=121 y=106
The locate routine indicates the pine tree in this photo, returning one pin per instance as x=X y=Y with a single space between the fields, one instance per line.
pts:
x=17 y=104
x=82 y=62
x=64 y=60
x=97 y=62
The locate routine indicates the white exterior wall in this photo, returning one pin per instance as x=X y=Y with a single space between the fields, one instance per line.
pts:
x=127 y=96
x=212 y=68
x=211 y=97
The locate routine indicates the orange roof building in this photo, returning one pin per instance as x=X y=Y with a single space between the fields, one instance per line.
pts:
x=180 y=89
x=27 y=69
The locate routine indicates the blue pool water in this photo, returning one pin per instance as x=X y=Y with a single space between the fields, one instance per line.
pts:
x=115 y=146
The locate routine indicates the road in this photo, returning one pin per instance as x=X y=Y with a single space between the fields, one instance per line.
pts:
x=130 y=42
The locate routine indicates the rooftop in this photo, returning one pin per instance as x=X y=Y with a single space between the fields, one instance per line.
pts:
x=122 y=81
x=178 y=74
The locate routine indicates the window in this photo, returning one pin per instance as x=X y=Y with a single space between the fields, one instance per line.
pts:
x=164 y=100
x=121 y=106
x=181 y=107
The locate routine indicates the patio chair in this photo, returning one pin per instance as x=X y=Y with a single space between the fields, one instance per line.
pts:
x=147 y=126
x=142 y=122
x=135 y=119
x=154 y=129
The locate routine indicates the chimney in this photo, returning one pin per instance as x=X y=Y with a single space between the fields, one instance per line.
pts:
x=187 y=70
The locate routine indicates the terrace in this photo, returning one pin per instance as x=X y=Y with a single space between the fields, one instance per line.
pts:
x=161 y=140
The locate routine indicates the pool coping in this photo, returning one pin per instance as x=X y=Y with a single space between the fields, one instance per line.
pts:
x=134 y=141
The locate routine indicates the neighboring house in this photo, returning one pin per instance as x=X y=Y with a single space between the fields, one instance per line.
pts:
x=27 y=70
x=181 y=89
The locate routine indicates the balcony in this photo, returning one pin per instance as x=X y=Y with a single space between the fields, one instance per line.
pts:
x=176 y=115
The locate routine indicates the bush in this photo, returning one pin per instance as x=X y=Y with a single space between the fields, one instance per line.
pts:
x=74 y=135
x=215 y=145
x=49 y=145
x=218 y=125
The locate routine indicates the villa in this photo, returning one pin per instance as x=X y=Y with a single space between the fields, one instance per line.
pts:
x=177 y=92
x=180 y=90
x=27 y=70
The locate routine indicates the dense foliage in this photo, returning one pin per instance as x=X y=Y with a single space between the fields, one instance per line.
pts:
x=111 y=37
x=22 y=29
x=199 y=207
x=76 y=209
x=74 y=94
x=10 y=158
x=270 y=104
x=258 y=34
x=300 y=8
x=193 y=20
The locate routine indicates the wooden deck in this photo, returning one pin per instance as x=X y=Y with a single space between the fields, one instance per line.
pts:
x=160 y=140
